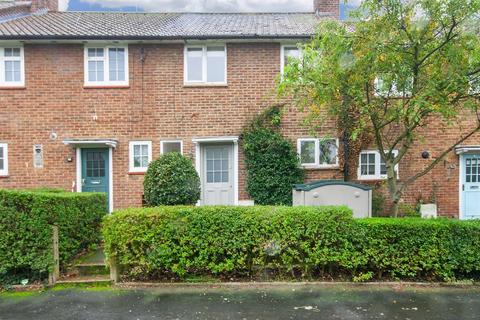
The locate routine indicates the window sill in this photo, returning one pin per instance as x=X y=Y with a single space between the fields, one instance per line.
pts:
x=4 y=176
x=205 y=85
x=373 y=179
x=135 y=173
x=106 y=86
x=13 y=87
x=318 y=167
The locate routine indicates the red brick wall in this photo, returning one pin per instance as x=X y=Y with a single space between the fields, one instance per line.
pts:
x=327 y=6
x=54 y=100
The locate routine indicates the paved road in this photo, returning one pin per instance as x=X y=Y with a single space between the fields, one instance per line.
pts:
x=285 y=302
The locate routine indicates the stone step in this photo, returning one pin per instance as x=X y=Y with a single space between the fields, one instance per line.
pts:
x=84 y=279
x=90 y=269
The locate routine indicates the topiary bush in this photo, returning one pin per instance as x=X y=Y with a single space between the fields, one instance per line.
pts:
x=271 y=161
x=171 y=180
x=26 y=219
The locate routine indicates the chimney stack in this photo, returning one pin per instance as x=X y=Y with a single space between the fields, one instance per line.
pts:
x=50 y=5
x=327 y=8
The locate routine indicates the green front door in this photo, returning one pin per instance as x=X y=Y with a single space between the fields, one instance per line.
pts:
x=95 y=170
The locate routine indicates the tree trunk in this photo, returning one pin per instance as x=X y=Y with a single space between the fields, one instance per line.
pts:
x=393 y=187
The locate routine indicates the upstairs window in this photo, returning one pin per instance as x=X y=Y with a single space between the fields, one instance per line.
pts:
x=106 y=66
x=392 y=88
x=372 y=167
x=3 y=159
x=12 y=67
x=206 y=64
x=140 y=155
x=321 y=153
x=288 y=52
x=171 y=146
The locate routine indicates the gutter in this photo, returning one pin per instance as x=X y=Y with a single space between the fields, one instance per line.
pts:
x=150 y=38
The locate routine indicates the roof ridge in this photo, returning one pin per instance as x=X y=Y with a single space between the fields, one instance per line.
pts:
x=181 y=12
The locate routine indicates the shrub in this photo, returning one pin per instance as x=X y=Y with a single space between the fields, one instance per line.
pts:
x=433 y=249
x=271 y=161
x=307 y=242
x=171 y=180
x=225 y=240
x=26 y=218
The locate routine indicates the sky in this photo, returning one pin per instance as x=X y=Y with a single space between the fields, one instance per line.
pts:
x=193 y=5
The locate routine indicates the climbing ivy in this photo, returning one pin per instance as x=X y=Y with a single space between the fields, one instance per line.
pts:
x=271 y=160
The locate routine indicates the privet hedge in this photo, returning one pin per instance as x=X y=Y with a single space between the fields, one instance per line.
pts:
x=299 y=242
x=26 y=218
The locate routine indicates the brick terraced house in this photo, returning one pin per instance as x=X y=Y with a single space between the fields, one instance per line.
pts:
x=87 y=99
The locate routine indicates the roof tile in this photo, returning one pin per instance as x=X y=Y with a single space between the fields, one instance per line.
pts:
x=150 y=26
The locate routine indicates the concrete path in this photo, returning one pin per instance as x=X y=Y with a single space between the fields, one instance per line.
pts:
x=263 y=302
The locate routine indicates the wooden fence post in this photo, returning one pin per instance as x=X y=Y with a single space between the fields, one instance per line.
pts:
x=114 y=276
x=53 y=277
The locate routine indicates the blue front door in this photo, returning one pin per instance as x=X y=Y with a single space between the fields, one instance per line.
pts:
x=471 y=186
x=95 y=170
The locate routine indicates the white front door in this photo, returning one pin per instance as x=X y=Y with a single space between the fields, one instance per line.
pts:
x=471 y=186
x=217 y=174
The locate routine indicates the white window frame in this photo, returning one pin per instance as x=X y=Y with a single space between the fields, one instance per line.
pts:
x=317 y=163
x=131 y=145
x=106 y=66
x=204 y=64
x=282 y=54
x=171 y=141
x=12 y=84
x=4 y=171
x=378 y=162
x=394 y=92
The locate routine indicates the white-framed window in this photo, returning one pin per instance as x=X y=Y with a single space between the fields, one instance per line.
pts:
x=167 y=146
x=140 y=155
x=318 y=152
x=12 y=66
x=106 y=66
x=288 y=51
x=391 y=89
x=372 y=167
x=205 y=64
x=3 y=159
x=475 y=86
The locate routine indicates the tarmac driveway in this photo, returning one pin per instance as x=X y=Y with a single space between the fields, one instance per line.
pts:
x=246 y=302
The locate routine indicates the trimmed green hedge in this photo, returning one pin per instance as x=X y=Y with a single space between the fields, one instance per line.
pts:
x=26 y=233
x=298 y=242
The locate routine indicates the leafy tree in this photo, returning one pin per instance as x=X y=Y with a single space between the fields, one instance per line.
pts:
x=171 y=180
x=399 y=67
